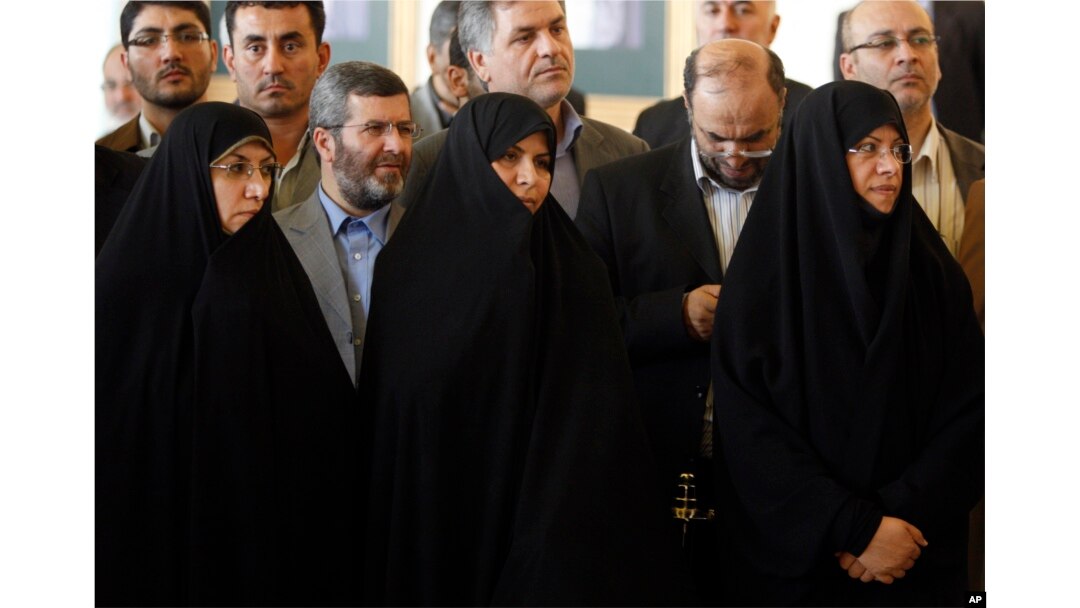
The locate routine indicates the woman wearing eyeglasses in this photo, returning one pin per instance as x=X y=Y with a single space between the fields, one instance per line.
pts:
x=848 y=373
x=508 y=457
x=214 y=384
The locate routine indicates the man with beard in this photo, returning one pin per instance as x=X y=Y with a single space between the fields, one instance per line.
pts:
x=665 y=223
x=525 y=48
x=170 y=55
x=892 y=46
x=275 y=54
x=362 y=129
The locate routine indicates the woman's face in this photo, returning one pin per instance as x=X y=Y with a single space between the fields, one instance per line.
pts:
x=875 y=173
x=240 y=196
x=525 y=168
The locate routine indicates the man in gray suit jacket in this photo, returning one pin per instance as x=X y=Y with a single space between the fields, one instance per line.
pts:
x=892 y=45
x=525 y=48
x=363 y=132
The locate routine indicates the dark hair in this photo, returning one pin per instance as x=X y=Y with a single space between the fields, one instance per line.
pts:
x=133 y=8
x=330 y=98
x=443 y=21
x=457 y=54
x=775 y=74
x=476 y=24
x=315 y=11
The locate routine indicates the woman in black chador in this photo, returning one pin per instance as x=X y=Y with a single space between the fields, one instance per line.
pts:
x=848 y=373
x=509 y=461
x=228 y=465
x=148 y=273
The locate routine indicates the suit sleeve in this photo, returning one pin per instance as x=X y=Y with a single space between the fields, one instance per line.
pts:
x=652 y=322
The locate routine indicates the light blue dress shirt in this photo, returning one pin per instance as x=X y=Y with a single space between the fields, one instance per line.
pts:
x=358 y=242
x=564 y=184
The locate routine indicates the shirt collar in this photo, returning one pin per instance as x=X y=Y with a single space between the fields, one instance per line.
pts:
x=339 y=220
x=705 y=182
x=301 y=150
x=930 y=146
x=572 y=126
x=148 y=135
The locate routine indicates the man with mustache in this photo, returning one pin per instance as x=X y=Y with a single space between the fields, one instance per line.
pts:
x=275 y=54
x=892 y=46
x=362 y=128
x=170 y=54
x=525 y=48
x=666 y=223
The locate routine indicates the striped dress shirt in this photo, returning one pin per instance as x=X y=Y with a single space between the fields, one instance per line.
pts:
x=934 y=185
x=727 y=208
x=727 y=211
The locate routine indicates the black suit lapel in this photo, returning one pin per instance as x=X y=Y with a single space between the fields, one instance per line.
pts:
x=684 y=211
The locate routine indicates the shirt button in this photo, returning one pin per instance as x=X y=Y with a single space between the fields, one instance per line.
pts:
x=357 y=256
x=356 y=342
x=356 y=298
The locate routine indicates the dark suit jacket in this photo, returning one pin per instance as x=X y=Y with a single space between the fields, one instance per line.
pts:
x=598 y=144
x=961 y=94
x=115 y=174
x=968 y=159
x=972 y=255
x=125 y=138
x=645 y=218
x=665 y=122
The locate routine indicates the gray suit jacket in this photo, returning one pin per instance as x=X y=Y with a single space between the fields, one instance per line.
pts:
x=424 y=111
x=598 y=144
x=308 y=230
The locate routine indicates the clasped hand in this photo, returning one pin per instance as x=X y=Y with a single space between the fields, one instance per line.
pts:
x=891 y=553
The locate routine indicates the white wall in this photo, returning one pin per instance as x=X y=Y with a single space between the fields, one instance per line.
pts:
x=806 y=38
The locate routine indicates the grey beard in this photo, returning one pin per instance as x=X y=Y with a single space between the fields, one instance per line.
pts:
x=369 y=193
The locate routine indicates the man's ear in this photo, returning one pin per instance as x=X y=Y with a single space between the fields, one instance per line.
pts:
x=324 y=58
x=847 y=66
x=479 y=65
x=229 y=59
x=458 y=80
x=324 y=144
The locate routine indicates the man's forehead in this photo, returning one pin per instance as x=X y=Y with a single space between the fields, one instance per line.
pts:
x=259 y=19
x=890 y=18
x=158 y=17
x=393 y=104
x=526 y=15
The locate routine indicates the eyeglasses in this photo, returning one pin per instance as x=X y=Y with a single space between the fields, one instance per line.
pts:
x=152 y=41
x=742 y=153
x=246 y=170
x=378 y=128
x=887 y=44
x=725 y=155
x=870 y=151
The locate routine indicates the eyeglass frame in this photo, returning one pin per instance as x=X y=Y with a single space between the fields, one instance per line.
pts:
x=177 y=37
x=876 y=44
x=386 y=125
x=881 y=153
x=749 y=154
x=251 y=169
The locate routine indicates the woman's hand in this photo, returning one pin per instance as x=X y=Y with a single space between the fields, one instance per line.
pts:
x=891 y=553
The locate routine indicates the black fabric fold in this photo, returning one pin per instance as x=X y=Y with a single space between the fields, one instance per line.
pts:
x=147 y=275
x=509 y=463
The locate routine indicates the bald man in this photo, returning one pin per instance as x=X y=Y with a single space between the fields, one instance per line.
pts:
x=892 y=45
x=665 y=122
x=122 y=101
x=665 y=223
